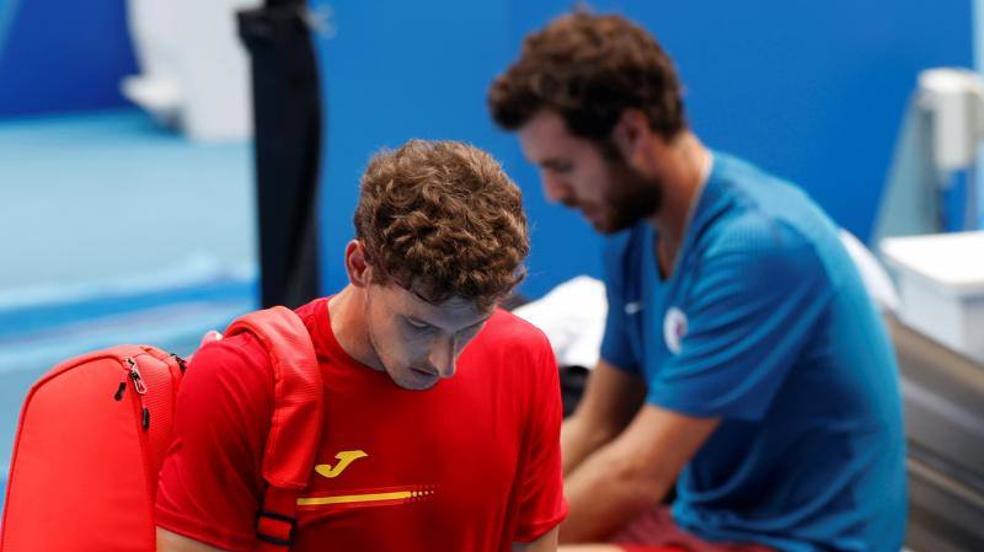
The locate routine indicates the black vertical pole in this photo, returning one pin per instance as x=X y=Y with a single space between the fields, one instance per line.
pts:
x=287 y=128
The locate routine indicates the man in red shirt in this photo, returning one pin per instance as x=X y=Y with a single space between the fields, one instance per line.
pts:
x=442 y=413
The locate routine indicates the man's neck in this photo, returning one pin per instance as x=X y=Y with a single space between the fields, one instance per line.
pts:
x=684 y=167
x=347 y=317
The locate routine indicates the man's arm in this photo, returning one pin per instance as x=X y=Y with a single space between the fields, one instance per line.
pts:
x=632 y=473
x=611 y=399
x=208 y=484
x=546 y=543
x=173 y=542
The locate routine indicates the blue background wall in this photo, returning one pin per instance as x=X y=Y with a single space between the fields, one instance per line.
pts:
x=59 y=56
x=813 y=91
x=395 y=71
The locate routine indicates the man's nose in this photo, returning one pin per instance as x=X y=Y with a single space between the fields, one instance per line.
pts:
x=442 y=358
x=557 y=190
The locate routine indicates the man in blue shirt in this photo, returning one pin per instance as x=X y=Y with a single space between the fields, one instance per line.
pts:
x=742 y=360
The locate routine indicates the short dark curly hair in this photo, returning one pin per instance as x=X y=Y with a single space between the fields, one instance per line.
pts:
x=442 y=219
x=589 y=69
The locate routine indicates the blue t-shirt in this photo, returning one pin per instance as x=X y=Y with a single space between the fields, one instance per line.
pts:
x=766 y=324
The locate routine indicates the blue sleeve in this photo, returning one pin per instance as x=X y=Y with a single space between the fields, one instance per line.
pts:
x=615 y=348
x=753 y=306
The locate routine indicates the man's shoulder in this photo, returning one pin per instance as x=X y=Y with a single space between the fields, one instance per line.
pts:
x=755 y=234
x=512 y=353
x=231 y=352
x=506 y=329
x=765 y=214
x=758 y=254
x=510 y=342
x=246 y=348
x=243 y=352
x=313 y=314
x=237 y=368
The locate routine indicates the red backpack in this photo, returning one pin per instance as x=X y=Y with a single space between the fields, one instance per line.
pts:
x=94 y=431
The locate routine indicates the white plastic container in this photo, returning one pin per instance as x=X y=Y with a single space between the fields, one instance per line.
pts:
x=941 y=286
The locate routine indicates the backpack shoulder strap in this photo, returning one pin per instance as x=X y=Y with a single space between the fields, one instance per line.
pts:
x=295 y=430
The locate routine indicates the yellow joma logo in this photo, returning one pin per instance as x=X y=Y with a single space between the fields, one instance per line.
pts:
x=344 y=458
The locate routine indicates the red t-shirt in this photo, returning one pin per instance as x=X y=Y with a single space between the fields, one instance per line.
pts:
x=472 y=464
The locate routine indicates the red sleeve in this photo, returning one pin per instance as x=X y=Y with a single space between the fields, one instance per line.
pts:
x=541 y=495
x=210 y=482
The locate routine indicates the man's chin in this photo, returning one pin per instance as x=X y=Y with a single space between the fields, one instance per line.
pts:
x=420 y=387
x=608 y=227
x=416 y=383
x=599 y=224
x=601 y=228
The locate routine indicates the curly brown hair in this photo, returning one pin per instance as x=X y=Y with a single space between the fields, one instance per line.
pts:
x=589 y=69
x=443 y=220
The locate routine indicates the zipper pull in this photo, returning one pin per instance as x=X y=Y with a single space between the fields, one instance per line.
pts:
x=138 y=382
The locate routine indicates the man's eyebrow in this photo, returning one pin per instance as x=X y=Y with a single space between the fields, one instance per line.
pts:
x=553 y=163
x=417 y=320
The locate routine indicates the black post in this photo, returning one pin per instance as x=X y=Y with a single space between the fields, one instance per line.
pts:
x=287 y=128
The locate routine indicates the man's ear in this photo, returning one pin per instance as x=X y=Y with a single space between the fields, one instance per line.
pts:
x=356 y=265
x=631 y=134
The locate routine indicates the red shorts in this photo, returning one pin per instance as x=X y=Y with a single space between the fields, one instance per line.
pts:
x=656 y=531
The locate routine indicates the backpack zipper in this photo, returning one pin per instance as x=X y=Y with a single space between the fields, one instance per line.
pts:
x=138 y=381
x=140 y=387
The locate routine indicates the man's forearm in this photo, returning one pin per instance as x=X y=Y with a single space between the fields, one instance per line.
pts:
x=605 y=492
x=546 y=543
x=632 y=473
x=173 y=542
x=578 y=440
x=611 y=400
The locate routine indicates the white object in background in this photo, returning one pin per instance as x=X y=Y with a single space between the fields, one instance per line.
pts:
x=155 y=44
x=195 y=71
x=955 y=97
x=876 y=279
x=941 y=283
x=572 y=315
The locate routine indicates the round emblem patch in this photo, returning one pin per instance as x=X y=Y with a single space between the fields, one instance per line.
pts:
x=674 y=329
